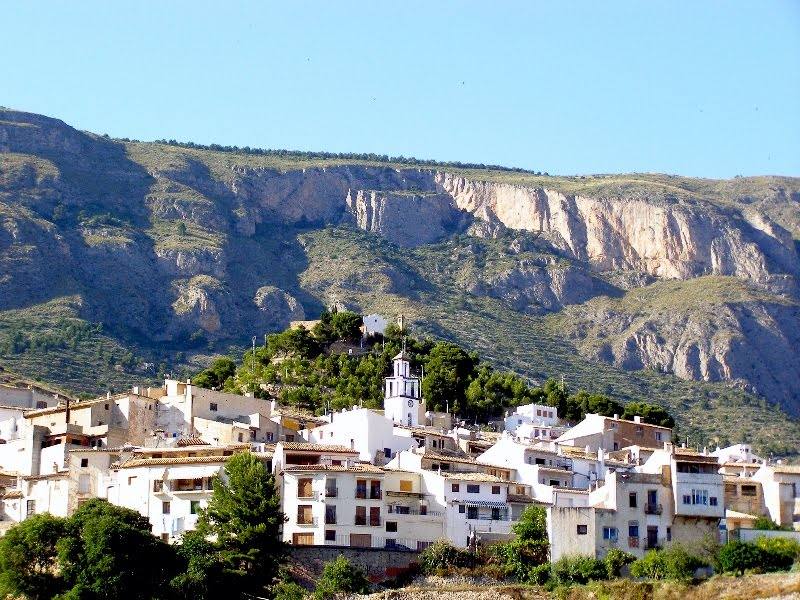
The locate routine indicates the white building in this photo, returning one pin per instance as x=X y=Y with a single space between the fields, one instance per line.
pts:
x=402 y=402
x=367 y=431
x=538 y=415
x=374 y=324
x=781 y=489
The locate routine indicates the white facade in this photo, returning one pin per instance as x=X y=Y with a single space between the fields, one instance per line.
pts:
x=364 y=430
x=374 y=323
x=538 y=415
x=781 y=488
x=402 y=403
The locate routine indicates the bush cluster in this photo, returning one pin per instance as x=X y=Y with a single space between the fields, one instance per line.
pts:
x=674 y=562
x=764 y=555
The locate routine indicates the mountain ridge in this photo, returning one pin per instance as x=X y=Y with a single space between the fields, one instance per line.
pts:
x=178 y=252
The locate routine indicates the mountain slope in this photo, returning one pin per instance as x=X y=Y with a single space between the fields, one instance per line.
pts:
x=161 y=255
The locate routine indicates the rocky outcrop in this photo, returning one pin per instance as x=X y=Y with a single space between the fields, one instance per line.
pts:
x=747 y=340
x=675 y=239
x=277 y=308
x=408 y=219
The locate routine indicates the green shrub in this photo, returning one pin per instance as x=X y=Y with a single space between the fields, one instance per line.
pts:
x=288 y=590
x=766 y=524
x=779 y=554
x=738 y=557
x=540 y=574
x=578 y=569
x=615 y=560
x=520 y=559
x=674 y=562
x=443 y=556
x=341 y=576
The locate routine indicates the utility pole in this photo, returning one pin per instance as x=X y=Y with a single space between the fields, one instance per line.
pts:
x=253 y=365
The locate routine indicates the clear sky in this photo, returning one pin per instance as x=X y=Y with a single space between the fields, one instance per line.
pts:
x=696 y=88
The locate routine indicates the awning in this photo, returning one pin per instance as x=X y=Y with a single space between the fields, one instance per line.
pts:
x=485 y=504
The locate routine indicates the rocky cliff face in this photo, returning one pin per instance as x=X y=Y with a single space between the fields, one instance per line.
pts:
x=169 y=243
x=676 y=239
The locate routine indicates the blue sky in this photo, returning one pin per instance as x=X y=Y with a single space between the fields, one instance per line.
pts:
x=697 y=88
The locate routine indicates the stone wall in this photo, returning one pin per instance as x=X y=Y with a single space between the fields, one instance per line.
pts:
x=307 y=562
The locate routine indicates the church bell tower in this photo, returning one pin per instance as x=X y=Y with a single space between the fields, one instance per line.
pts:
x=401 y=401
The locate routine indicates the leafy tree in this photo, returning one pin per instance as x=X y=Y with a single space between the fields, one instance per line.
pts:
x=28 y=566
x=202 y=575
x=109 y=552
x=346 y=326
x=779 y=553
x=557 y=395
x=448 y=371
x=293 y=342
x=341 y=576
x=738 y=557
x=650 y=413
x=524 y=556
x=217 y=373
x=288 y=590
x=615 y=560
x=532 y=525
x=244 y=515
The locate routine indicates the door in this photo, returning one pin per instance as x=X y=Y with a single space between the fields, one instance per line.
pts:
x=361 y=540
x=303 y=539
x=652 y=536
x=374 y=515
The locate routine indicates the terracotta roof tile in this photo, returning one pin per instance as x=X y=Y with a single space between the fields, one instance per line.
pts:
x=358 y=468
x=295 y=446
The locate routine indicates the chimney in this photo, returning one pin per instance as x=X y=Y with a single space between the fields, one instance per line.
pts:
x=616 y=417
x=67 y=412
x=637 y=419
x=108 y=395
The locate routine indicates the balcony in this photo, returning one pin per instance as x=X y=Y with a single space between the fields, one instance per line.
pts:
x=368 y=521
x=653 y=509
x=307 y=522
x=331 y=492
x=401 y=511
x=307 y=495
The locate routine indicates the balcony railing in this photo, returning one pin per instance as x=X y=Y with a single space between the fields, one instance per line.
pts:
x=370 y=521
x=307 y=495
x=375 y=494
x=307 y=522
x=396 y=510
x=331 y=492
x=653 y=509
x=361 y=493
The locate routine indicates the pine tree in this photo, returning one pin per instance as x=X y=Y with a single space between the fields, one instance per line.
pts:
x=244 y=517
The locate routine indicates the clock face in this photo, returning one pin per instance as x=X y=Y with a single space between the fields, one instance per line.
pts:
x=411 y=403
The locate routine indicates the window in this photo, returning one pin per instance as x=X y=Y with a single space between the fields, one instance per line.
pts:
x=30 y=507
x=749 y=490
x=391 y=526
x=241 y=437
x=633 y=530
x=461 y=508
x=669 y=534
x=539 y=461
x=583 y=529
x=212 y=407
x=610 y=533
x=712 y=501
x=270 y=436
x=83 y=484
x=687 y=499
x=454 y=487
x=193 y=506
x=84 y=462
x=361 y=515
x=132 y=480
x=106 y=406
x=555 y=482
x=406 y=485
x=632 y=500
x=472 y=512
x=165 y=508
x=473 y=488
x=330 y=535
x=158 y=485
x=659 y=436
x=495 y=489
x=330 y=514
x=699 y=496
